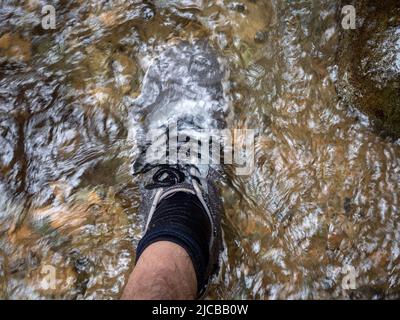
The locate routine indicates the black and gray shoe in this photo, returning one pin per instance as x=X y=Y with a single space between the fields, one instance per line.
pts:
x=182 y=205
x=182 y=86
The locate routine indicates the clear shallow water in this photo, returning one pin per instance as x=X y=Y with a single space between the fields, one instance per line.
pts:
x=324 y=193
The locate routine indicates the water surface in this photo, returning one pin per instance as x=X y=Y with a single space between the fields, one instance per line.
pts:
x=324 y=193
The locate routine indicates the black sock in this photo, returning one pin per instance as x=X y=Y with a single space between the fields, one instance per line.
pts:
x=182 y=219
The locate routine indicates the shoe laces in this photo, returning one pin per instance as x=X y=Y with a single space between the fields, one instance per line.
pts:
x=167 y=176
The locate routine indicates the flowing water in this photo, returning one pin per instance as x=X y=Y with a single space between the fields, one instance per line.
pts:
x=322 y=201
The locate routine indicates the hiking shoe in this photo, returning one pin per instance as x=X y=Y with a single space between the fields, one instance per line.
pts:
x=183 y=184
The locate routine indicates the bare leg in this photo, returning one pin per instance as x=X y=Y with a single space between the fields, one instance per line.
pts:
x=164 y=271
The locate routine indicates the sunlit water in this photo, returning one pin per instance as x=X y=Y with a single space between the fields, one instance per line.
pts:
x=324 y=195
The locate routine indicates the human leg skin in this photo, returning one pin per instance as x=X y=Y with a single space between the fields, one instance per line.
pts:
x=163 y=272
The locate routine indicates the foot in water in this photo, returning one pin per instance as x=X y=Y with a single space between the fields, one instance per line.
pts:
x=182 y=88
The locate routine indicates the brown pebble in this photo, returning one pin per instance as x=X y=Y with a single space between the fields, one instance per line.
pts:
x=260 y=37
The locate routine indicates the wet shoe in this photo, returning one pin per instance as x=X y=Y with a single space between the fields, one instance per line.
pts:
x=168 y=192
x=182 y=91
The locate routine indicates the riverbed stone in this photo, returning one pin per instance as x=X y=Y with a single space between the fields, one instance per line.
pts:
x=14 y=47
x=254 y=18
x=369 y=64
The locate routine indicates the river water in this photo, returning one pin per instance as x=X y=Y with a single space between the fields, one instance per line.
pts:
x=320 y=207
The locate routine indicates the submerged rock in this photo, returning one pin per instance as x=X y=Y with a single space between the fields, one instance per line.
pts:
x=252 y=23
x=13 y=47
x=369 y=64
x=237 y=6
x=260 y=37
